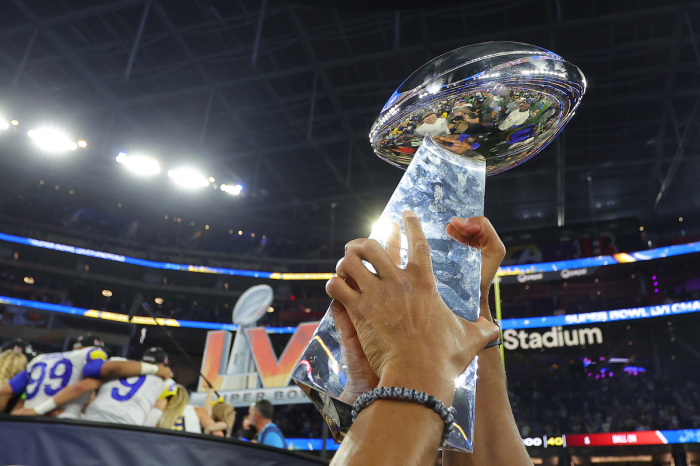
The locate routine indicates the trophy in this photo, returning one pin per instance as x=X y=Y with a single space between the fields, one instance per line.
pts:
x=476 y=111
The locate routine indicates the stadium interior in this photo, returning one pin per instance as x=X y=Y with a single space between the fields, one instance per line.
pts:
x=265 y=106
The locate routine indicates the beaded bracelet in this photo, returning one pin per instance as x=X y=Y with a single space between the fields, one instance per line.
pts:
x=405 y=394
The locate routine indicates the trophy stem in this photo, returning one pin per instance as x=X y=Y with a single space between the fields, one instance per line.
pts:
x=437 y=186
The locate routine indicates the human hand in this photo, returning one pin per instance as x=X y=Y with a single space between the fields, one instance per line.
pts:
x=164 y=372
x=478 y=232
x=410 y=337
x=24 y=412
x=360 y=375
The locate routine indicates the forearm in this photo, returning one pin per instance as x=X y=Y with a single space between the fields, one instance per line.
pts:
x=497 y=441
x=392 y=432
x=4 y=399
x=73 y=391
x=125 y=369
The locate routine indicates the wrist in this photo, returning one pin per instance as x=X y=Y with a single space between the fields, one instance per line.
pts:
x=148 y=369
x=45 y=406
x=433 y=380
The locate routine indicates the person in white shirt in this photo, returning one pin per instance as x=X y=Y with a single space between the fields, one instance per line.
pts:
x=47 y=375
x=516 y=117
x=433 y=126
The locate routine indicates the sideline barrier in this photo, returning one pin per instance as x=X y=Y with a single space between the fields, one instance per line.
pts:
x=42 y=440
x=506 y=324
x=620 y=258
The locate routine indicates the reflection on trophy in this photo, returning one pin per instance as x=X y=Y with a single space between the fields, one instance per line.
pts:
x=476 y=111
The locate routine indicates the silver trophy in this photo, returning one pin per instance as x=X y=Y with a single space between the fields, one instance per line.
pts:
x=476 y=111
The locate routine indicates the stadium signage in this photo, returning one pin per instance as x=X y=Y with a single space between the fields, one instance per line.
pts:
x=566 y=273
x=545 y=276
x=556 y=337
x=270 y=376
x=532 y=277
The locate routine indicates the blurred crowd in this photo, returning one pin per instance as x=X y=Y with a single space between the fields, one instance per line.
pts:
x=106 y=230
x=553 y=404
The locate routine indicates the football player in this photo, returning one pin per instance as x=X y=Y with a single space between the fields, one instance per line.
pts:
x=130 y=400
x=135 y=400
x=46 y=375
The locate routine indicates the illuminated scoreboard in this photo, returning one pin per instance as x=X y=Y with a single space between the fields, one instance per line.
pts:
x=545 y=441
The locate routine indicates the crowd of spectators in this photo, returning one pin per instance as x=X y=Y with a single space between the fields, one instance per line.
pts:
x=103 y=229
x=552 y=404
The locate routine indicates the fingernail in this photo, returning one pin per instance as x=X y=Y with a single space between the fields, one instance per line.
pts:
x=460 y=220
x=408 y=213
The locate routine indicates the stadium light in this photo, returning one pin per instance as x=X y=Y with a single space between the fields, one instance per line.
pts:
x=188 y=178
x=82 y=144
x=232 y=189
x=107 y=293
x=4 y=124
x=139 y=164
x=29 y=280
x=51 y=140
x=14 y=122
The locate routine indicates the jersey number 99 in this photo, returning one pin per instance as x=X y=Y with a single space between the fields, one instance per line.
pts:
x=61 y=370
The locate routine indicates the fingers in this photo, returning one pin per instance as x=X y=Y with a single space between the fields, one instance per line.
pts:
x=371 y=251
x=351 y=266
x=476 y=232
x=342 y=321
x=337 y=289
x=479 y=233
x=418 y=248
x=393 y=244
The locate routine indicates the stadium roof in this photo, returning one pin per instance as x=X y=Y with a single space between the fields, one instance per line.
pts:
x=280 y=96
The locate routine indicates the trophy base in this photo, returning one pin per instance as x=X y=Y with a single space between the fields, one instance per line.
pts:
x=337 y=414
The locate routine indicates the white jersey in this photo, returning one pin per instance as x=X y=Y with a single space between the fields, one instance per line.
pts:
x=189 y=421
x=48 y=374
x=128 y=401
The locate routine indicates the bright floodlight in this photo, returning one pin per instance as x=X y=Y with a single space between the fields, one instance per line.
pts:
x=51 y=140
x=4 y=124
x=139 y=164
x=188 y=178
x=232 y=189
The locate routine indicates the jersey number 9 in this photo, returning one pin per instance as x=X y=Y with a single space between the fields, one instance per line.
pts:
x=132 y=388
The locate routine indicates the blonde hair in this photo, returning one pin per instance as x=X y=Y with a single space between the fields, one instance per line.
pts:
x=224 y=412
x=175 y=408
x=11 y=364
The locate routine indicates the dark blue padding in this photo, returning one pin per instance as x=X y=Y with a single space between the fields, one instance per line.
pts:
x=63 y=442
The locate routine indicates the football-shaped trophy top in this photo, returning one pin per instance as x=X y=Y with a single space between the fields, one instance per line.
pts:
x=504 y=101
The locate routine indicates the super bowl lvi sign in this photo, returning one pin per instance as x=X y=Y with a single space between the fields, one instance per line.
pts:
x=245 y=368
x=267 y=377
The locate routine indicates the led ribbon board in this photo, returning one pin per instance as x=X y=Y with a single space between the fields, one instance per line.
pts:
x=587 y=262
x=506 y=324
x=649 y=437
